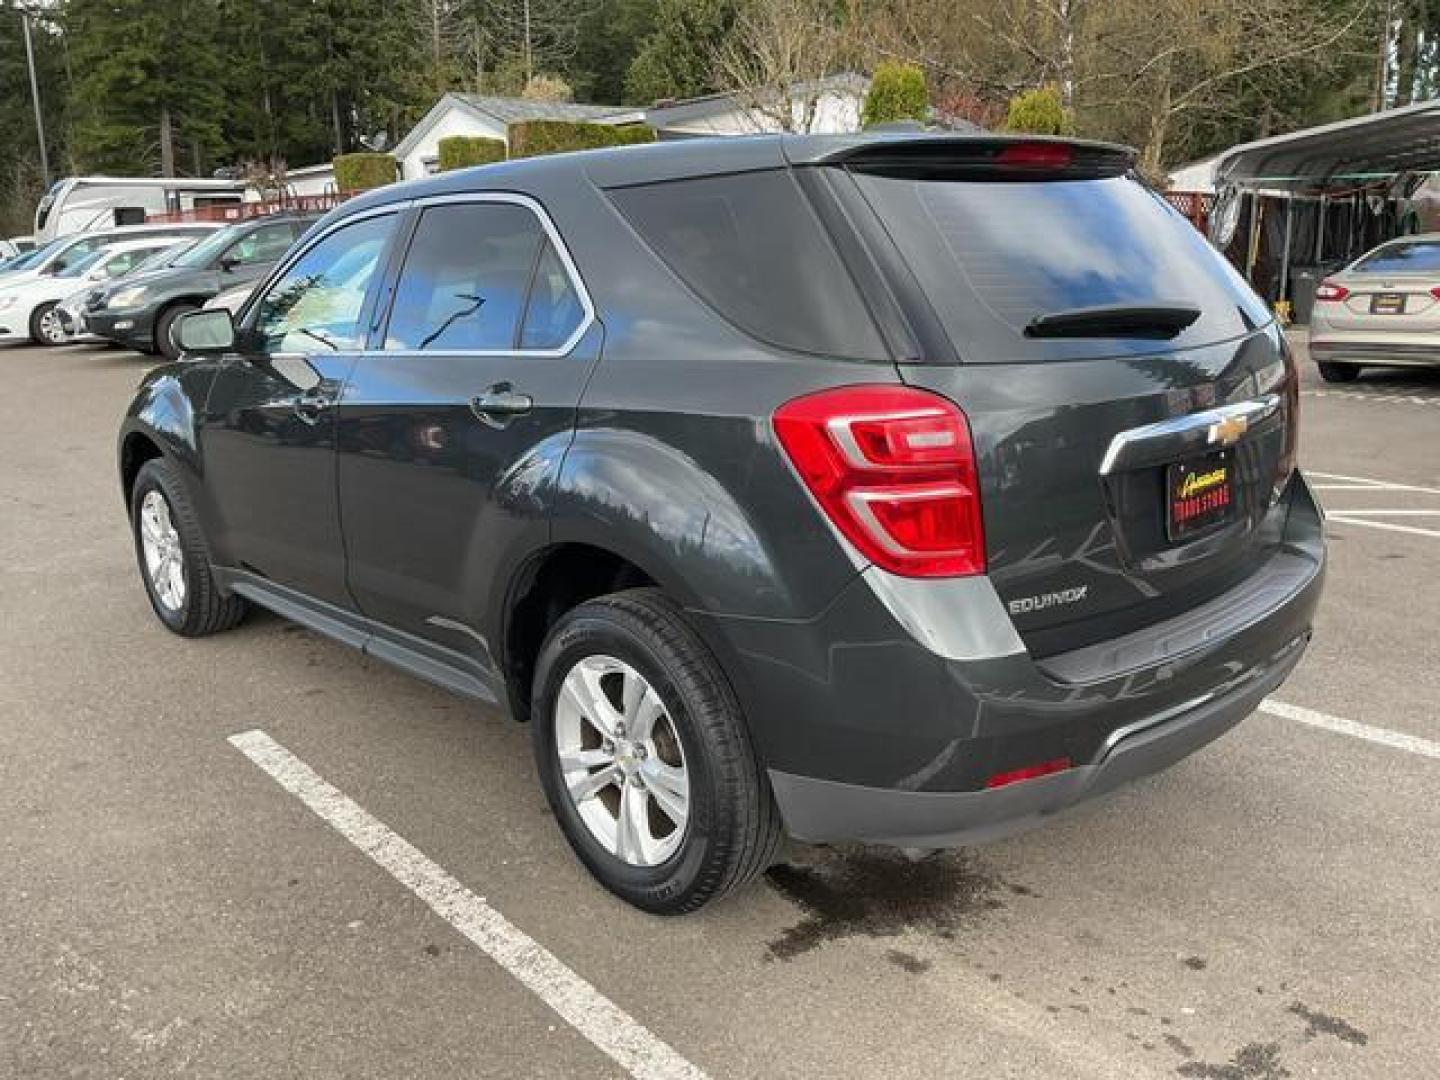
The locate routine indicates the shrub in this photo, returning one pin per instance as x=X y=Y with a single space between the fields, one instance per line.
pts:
x=897 y=92
x=531 y=138
x=548 y=88
x=361 y=172
x=1039 y=112
x=462 y=151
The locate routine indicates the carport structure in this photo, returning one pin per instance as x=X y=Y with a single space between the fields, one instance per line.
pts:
x=1293 y=207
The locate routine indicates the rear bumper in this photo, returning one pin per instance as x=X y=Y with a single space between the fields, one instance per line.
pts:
x=823 y=810
x=883 y=719
x=1376 y=350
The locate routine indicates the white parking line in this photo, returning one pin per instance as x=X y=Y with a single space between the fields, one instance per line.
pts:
x=1396 y=740
x=1343 y=519
x=1367 y=482
x=583 y=1007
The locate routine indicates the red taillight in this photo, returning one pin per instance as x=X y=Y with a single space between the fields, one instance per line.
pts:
x=1036 y=155
x=1329 y=291
x=894 y=470
x=1028 y=772
x=1435 y=292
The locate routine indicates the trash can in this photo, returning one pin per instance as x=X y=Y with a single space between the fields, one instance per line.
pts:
x=1303 y=282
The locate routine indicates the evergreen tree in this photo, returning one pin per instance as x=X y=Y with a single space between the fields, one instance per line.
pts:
x=148 y=94
x=677 y=59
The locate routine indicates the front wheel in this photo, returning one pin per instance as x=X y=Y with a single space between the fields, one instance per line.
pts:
x=165 y=329
x=46 y=327
x=645 y=758
x=174 y=559
x=1338 y=373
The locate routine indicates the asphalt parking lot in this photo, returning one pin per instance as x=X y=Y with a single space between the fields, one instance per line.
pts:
x=373 y=886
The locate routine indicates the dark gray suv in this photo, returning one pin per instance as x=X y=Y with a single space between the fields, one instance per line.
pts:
x=894 y=489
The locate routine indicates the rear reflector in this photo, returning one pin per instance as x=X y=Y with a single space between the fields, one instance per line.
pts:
x=1028 y=772
x=893 y=469
x=1329 y=291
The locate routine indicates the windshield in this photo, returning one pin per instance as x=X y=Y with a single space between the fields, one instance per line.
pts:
x=164 y=257
x=83 y=264
x=205 y=251
x=29 y=259
x=992 y=257
x=1402 y=257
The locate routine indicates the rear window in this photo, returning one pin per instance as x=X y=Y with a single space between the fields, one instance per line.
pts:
x=1402 y=257
x=991 y=256
x=751 y=247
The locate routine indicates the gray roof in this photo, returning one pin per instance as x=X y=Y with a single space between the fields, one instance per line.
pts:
x=1343 y=153
x=511 y=110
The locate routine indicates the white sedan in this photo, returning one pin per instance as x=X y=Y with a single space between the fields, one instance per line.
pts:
x=28 y=309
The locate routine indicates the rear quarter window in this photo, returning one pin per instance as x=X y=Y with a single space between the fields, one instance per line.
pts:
x=990 y=256
x=751 y=247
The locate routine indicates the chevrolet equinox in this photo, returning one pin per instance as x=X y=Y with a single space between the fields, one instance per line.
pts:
x=898 y=489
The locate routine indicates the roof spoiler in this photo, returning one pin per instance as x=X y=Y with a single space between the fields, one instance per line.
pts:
x=981 y=157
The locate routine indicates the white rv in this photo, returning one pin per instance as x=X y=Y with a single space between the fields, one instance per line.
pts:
x=81 y=203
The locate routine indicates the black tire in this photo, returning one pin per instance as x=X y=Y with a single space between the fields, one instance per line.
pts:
x=38 y=332
x=1338 y=373
x=733 y=829
x=165 y=326
x=204 y=609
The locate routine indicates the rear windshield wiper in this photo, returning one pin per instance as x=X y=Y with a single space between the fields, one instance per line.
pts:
x=1161 y=320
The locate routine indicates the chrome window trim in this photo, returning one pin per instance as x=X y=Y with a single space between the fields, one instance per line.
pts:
x=587 y=306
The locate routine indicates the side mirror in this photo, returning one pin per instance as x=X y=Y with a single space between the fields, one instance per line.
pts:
x=228 y=263
x=208 y=331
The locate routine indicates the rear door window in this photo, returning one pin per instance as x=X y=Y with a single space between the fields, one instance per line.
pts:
x=465 y=279
x=751 y=247
x=990 y=256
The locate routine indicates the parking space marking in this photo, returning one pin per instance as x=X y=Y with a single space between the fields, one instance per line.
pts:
x=584 y=1008
x=1367 y=483
x=1344 y=519
x=1396 y=740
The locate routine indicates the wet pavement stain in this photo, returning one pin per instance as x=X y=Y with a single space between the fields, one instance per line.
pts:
x=1253 y=1061
x=859 y=892
x=1194 y=963
x=1318 y=1023
x=908 y=962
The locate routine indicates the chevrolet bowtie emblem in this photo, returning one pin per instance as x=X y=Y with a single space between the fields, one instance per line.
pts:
x=1228 y=432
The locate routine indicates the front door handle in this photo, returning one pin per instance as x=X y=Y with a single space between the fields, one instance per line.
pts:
x=498 y=404
x=313 y=403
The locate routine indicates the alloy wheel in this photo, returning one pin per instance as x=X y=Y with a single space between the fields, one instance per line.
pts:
x=52 y=330
x=621 y=761
x=164 y=556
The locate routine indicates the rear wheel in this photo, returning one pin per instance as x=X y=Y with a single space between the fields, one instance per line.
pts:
x=644 y=756
x=1338 y=373
x=46 y=327
x=165 y=329
x=174 y=559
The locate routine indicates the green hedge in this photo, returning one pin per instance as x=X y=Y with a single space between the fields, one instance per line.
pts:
x=531 y=138
x=361 y=172
x=1040 y=112
x=897 y=92
x=462 y=151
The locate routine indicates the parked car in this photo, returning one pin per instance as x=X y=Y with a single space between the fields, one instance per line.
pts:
x=141 y=315
x=896 y=489
x=72 y=310
x=1383 y=310
x=18 y=263
x=16 y=245
x=57 y=255
x=29 y=309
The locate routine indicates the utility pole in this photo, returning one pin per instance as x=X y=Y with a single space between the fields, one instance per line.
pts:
x=35 y=97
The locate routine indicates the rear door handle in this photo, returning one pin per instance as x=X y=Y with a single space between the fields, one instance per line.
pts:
x=313 y=403
x=498 y=404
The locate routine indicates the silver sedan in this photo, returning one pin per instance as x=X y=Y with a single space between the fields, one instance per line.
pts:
x=1382 y=310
